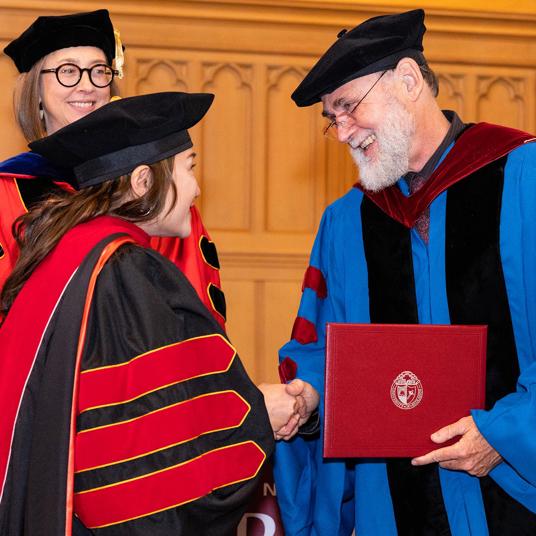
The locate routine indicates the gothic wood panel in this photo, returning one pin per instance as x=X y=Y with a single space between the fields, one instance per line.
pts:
x=265 y=170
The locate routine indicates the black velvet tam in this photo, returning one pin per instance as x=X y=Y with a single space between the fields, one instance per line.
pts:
x=124 y=134
x=48 y=34
x=375 y=45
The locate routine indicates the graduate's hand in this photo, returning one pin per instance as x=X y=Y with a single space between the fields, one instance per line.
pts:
x=300 y=388
x=290 y=429
x=472 y=453
x=283 y=409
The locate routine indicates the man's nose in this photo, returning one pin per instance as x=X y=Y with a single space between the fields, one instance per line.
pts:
x=345 y=131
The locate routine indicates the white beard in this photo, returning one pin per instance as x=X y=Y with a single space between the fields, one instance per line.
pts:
x=392 y=156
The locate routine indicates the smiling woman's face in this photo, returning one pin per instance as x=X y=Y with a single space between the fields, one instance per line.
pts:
x=175 y=219
x=63 y=105
x=178 y=221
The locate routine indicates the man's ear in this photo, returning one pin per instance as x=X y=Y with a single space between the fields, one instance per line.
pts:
x=141 y=180
x=410 y=75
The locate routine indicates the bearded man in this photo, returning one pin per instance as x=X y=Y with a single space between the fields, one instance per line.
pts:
x=440 y=230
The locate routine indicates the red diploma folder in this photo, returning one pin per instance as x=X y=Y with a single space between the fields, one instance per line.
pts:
x=389 y=387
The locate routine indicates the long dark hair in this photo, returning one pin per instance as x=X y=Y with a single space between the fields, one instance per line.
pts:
x=38 y=231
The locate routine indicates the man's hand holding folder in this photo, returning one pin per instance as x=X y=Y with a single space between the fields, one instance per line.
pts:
x=472 y=453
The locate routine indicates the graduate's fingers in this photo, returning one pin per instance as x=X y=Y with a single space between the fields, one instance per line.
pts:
x=289 y=429
x=300 y=407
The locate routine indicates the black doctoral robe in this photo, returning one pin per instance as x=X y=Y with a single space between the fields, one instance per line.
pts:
x=134 y=413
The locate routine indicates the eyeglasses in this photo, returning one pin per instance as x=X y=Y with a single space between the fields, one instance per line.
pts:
x=69 y=74
x=331 y=129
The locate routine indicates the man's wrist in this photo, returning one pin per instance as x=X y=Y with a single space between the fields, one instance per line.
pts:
x=312 y=426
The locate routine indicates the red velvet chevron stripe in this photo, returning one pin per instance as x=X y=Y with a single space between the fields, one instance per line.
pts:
x=168 y=488
x=314 y=279
x=288 y=370
x=154 y=370
x=304 y=331
x=160 y=429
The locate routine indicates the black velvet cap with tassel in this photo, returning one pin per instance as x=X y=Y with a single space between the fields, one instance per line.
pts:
x=377 y=44
x=48 y=34
x=122 y=135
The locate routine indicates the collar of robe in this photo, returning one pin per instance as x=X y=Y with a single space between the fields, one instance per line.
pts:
x=477 y=146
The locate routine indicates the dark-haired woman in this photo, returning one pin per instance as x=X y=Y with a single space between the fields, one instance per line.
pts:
x=125 y=409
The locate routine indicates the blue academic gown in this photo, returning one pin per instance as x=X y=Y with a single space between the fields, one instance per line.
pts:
x=329 y=497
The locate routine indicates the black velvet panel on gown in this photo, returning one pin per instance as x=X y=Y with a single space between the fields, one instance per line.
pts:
x=415 y=491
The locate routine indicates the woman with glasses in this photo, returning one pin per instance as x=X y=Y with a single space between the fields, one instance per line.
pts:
x=68 y=67
x=58 y=59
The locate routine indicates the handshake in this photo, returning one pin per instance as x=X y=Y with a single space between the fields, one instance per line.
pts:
x=289 y=406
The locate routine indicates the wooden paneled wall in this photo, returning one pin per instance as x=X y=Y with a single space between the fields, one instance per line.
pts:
x=265 y=170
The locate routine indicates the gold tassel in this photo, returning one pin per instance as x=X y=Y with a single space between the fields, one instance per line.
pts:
x=115 y=97
x=119 y=59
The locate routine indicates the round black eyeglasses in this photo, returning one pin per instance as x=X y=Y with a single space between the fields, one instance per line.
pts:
x=69 y=74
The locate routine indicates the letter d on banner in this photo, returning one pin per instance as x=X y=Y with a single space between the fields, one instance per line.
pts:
x=262 y=516
x=267 y=522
